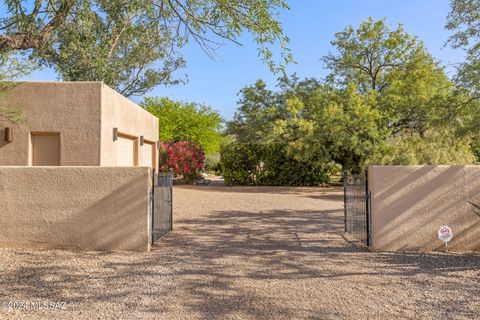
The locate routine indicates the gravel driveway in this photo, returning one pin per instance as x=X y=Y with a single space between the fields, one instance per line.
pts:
x=246 y=253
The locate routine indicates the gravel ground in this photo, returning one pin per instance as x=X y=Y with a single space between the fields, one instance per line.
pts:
x=245 y=253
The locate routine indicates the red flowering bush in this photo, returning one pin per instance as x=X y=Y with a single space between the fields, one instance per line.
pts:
x=183 y=157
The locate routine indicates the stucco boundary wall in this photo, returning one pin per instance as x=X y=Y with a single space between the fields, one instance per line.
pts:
x=89 y=208
x=410 y=203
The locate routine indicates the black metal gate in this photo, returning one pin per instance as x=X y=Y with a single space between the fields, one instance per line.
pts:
x=161 y=206
x=357 y=206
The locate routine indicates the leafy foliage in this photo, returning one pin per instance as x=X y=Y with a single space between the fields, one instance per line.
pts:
x=268 y=164
x=212 y=166
x=464 y=19
x=135 y=45
x=10 y=67
x=433 y=148
x=183 y=157
x=386 y=101
x=30 y=26
x=117 y=43
x=179 y=121
x=10 y=114
x=366 y=55
x=265 y=115
x=252 y=120
x=344 y=127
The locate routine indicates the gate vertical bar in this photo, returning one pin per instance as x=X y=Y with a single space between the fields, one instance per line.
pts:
x=170 y=186
x=152 y=210
x=162 y=220
x=356 y=206
x=369 y=221
x=367 y=209
x=344 y=176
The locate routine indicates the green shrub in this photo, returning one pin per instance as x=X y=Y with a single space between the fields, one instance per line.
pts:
x=269 y=164
x=212 y=166
x=184 y=158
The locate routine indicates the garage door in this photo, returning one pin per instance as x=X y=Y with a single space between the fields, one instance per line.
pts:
x=148 y=152
x=125 y=151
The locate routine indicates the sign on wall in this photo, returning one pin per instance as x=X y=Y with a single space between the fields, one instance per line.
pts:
x=445 y=234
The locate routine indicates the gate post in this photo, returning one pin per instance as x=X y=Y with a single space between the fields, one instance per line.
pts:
x=152 y=207
x=170 y=186
x=344 y=176
x=367 y=209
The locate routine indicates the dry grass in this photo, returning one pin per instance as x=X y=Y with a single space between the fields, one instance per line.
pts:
x=246 y=253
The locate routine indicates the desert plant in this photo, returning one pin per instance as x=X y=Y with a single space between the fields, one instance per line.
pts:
x=184 y=158
x=269 y=164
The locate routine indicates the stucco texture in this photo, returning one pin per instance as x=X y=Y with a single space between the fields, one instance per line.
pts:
x=69 y=108
x=131 y=121
x=410 y=203
x=96 y=208
x=84 y=114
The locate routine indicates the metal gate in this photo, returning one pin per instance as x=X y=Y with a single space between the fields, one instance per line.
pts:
x=357 y=206
x=161 y=206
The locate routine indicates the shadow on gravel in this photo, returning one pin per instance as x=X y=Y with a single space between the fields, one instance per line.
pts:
x=307 y=235
x=328 y=197
x=410 y=263
x=261 y=189
x=259 y=248
x=218 y=265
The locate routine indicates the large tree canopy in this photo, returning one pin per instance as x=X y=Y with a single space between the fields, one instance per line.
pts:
x=464 y=19
x=30 y=24
x=134 y=45
x=267 y=115
x=367 y=54
x=386 y=101
x=183 y=121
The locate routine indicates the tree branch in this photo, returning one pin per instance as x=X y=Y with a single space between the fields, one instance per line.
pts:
x=29 y=40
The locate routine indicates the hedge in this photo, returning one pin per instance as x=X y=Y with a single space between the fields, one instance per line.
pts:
x=268 y=164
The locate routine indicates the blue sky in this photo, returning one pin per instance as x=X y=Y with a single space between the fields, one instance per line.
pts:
x=310 y=25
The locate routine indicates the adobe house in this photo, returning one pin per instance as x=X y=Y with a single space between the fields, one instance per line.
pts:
x=78 y=172
x=77 y=124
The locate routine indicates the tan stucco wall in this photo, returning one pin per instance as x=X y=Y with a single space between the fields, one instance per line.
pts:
x=97 y=208
x=71 y=108
x=84 y=113
x=410 y=203
x=130 y=119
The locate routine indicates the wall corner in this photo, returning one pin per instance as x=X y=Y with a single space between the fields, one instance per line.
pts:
x=100 y=106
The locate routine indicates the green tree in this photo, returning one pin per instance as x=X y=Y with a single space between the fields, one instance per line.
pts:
x=9 y=113
x=345 y=127
x=411 y=92
x=385 y=91
x=135 y=45
x=464 y=19
x=264 y=115
x=25 y=26
x=420 y=97
x=10 y=67
x=187 y=121
x=366 y=55
x=256 y=111
x=434 y=147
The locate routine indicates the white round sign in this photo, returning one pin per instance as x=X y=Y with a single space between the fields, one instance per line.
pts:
x=445 y=233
